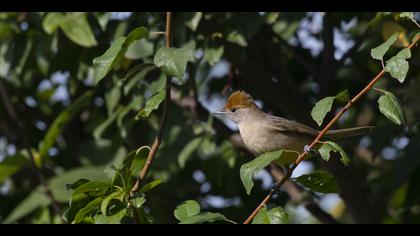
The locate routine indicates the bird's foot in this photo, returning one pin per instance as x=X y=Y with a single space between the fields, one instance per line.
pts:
x=309 y=150
x=275 y=189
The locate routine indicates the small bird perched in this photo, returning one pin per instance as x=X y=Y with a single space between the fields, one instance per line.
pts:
x=262 y=132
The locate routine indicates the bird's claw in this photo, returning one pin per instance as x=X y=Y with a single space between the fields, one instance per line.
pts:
x=310 y=150
x=275 y=189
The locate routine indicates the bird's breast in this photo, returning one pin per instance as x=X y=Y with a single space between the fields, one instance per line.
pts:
x=260 y=139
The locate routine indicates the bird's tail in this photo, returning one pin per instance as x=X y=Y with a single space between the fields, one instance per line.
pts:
x=344 y=133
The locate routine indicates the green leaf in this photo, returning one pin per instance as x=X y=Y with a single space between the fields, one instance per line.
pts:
x=150 y=185
x=319 y=181
x=248 y=170
x=118 y=194
x=203 y=217
x=274 y=216
x=107 y=61
x=173 y=61
x=74 y=25
x=322 y=107
x=329 y=146
x=58 y=183
x=398 y=66
x=188 y=150
x=151 y=104
x=343 y=96
x=92 y=188
x=139 y=49
x=138 y=201
x=213 y=55
x=236 y=37
x=379 y=52
x=193 y=23
x=111 y=219
x=59 y=123
x=88 y=210
x=35 y=200
x=390 y=107
x=111 y=58
x=186 y=209
x=409 y=15
x=11 y=165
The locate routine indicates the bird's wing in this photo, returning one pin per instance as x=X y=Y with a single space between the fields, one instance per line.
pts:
x=284 y=125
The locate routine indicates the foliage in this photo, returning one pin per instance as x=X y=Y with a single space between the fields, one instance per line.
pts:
x=88 y=90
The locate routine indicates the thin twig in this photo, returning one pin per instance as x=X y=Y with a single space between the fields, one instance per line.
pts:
x=318 y=138
x=158 y=138
x=22 y=136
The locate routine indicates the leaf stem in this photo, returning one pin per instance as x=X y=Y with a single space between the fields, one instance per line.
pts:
x=318 y=138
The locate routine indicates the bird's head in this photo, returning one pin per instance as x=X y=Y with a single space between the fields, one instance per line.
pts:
x=238 y=107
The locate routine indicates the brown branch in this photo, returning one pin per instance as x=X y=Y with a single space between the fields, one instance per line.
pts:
x=158 y=138
x=23 y=138
x=296 y=194
x=318 y=138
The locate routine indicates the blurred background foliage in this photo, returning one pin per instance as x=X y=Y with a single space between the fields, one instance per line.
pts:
x=287 y=61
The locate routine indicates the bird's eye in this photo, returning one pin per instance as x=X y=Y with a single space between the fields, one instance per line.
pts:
x=233 y=110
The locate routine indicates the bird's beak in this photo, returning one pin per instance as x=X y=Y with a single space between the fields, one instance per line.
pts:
x=219 y=112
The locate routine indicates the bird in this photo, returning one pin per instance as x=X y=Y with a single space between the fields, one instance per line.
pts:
x=262 y=132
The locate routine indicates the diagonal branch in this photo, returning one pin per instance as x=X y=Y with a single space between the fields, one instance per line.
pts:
x=158 y=138
x=23 y=138
x=318 y=138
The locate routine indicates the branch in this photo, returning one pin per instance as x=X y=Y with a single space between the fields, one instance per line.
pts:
x=318 y=138
x=23 y=138
x=158 y=138
x=296 y=194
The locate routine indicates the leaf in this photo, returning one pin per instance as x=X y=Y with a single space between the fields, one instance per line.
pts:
x=74 y=25
x=193 y=23
x=390 y=107
x=274 y=216
x=111 y=58
x=398 y=66
x=60 y=122
x=118 y=194
x=139 y=49
x=319 y=181
x=58 y=183
x=236 y=37
x=322 y=107
x=93 y=188
x=329 y=146
x=248 y=170
x=203 y=217
x=173 y=61
x=213 y=55
x=111 y=219
x=409 y=15
x=35 y=200
x=150 y=185
x=104 y=63
x=188 y=150
x=379 y=52
x=138 y=201
x=151 y=104
x=186 y=209
x=11 y=165
x=87 y=210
